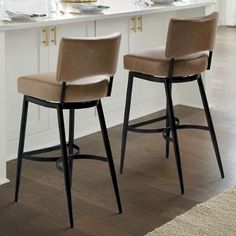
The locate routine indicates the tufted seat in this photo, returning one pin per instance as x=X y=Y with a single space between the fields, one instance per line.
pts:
x=154 y=62
x=45 y=86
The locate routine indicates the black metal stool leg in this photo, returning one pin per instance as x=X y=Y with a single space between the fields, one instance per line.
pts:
x=210 y=124
x=65 y=162
x=109 y=154
x=21 y=146
x=126 y=121
x=71 y=141
x=174 y=133
x=167 y=125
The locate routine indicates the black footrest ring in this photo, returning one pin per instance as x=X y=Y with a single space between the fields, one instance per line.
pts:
x=59 y=163
x=166 y=137
x=135 y=127
x=32 y=155
x=167 y=129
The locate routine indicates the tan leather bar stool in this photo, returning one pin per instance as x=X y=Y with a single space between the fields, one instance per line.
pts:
x=85 y=71
x=182 y=60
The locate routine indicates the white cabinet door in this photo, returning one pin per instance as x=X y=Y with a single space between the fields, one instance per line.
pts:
x=22 y=58
x=115 y=103
x=55 y=34
x=138 y=33
x=29 y=52
x=67 y=30
x=150 y=33
x=39 y=57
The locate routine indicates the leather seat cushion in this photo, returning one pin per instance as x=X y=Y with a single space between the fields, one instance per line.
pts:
x=154 y=62
x=45 y=86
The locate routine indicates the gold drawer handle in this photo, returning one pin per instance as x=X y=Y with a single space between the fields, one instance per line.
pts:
x=140 y=20
x=54 y=35
x=134 y=24
x=45 y=32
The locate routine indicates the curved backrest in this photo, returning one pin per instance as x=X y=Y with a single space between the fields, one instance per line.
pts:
x=85 y=57
x=186 y=36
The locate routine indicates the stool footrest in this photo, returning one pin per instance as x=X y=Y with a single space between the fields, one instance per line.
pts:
x=59 y=164
x=31 y=155
x=134 y=127
x=148 y=122
x=147 y=131
x=206 y=128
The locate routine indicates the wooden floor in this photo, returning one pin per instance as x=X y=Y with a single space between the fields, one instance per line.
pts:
x=149 y=186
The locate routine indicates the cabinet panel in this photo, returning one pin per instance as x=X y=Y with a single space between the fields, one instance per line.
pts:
x=104 y=27
x=27 y=53
x=55 y=35
x=68 y=30
x=190 y=13
x=150 y=34
x=22 y=58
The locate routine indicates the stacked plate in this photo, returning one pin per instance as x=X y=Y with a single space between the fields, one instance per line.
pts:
x=89 y=8
x=163 y=1
x=19 y=16
x=78 y=1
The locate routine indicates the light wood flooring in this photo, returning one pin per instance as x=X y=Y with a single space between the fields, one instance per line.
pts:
x=149 y=186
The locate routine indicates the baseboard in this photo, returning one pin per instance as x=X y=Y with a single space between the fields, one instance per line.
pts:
x=4 y=181
x=193 y=105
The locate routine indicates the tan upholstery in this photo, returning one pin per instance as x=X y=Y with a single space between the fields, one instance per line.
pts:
x=45 y=86
x=154 y=62
x=86 y=63
x=187 y=42
x=188 y=36
x=80 y=58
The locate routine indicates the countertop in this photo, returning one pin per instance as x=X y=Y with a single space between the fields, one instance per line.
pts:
x=121 y=8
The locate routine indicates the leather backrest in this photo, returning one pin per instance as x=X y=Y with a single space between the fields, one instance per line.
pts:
x=85 y=57
x=186 y=36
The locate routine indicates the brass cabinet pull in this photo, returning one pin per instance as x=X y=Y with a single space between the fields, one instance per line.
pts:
x=134 y=24
x=45 y=40
x=54 y=35
x=140 y=22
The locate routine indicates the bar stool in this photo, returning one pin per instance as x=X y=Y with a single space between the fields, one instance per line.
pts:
x=85 y=71
x=182 y=60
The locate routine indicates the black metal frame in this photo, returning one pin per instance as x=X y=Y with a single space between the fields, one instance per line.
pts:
x=69 y=150
x=172 y=122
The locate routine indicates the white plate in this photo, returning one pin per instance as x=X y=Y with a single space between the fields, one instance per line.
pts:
x=89 y=8
x=163 y=1
x=19 y=16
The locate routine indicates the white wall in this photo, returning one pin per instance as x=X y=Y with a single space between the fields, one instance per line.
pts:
x=227 y=10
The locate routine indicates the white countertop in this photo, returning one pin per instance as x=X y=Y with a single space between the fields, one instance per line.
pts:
x=117 y=9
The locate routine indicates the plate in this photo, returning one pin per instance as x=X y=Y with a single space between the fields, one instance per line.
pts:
x=19 y=16
x=78 y=1
x=90 y=8
x=163 y=1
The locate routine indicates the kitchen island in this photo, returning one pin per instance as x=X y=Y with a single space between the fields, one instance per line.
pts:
x=32 y=47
